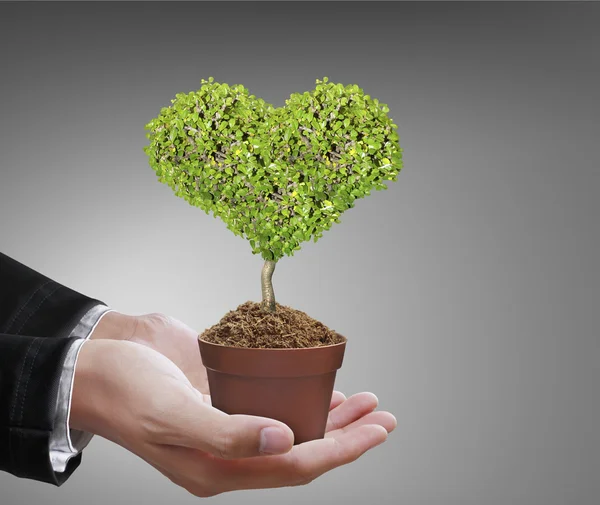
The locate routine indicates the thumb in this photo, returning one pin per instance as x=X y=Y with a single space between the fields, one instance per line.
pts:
x=231 y=436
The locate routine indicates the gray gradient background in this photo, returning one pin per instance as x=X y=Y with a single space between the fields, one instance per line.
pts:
x=469 y=290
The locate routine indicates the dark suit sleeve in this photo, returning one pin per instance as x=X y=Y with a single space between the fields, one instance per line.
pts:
x=37 y=316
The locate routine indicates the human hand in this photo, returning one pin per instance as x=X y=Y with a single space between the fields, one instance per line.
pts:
x=139 y=399
x=353 y=428
x=164 y=334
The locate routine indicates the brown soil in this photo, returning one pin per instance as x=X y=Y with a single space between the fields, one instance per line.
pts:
x=250 y=326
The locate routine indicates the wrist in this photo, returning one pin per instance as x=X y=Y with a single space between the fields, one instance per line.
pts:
x=92 y=390
x=114 y=326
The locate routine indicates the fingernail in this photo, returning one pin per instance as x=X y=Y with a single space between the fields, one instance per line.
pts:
x=273 y=441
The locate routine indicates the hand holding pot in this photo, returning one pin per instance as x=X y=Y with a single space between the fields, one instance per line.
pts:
x=139 y=399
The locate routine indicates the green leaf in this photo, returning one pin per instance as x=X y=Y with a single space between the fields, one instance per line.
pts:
x=265 y=151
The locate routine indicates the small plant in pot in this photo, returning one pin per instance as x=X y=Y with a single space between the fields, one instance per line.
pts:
x=277 y=177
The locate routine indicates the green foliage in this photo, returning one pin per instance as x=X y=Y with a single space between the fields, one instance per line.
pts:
x=276 y=176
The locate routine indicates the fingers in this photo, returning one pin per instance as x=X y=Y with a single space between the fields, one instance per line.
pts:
x=205 y=476
x=226 y=436
x=211 y=470
x=337 y=398
x=384 y=419
x=304 y=463
x=352 y=409
x=315 y=458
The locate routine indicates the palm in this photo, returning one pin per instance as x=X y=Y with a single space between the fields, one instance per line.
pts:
x=353 y=427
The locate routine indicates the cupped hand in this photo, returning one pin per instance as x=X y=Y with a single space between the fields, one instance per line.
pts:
x=353 y=428
x=139 y=399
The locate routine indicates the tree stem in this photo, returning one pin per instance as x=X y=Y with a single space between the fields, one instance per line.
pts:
x=268 y=295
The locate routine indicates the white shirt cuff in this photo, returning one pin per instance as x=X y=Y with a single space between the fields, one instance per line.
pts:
x=65 y=442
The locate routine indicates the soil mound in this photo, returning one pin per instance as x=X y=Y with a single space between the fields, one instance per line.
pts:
x=250 y=326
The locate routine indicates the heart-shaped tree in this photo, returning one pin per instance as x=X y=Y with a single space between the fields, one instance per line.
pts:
x=276 y=176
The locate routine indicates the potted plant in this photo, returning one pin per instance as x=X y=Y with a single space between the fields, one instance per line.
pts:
x=277 y=177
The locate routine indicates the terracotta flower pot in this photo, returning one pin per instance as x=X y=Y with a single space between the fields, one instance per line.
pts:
x=293 y=386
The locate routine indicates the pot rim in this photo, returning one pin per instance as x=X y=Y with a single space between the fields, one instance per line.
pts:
x=279 y=349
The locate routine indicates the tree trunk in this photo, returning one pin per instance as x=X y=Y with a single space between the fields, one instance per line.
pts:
x=268 y=295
